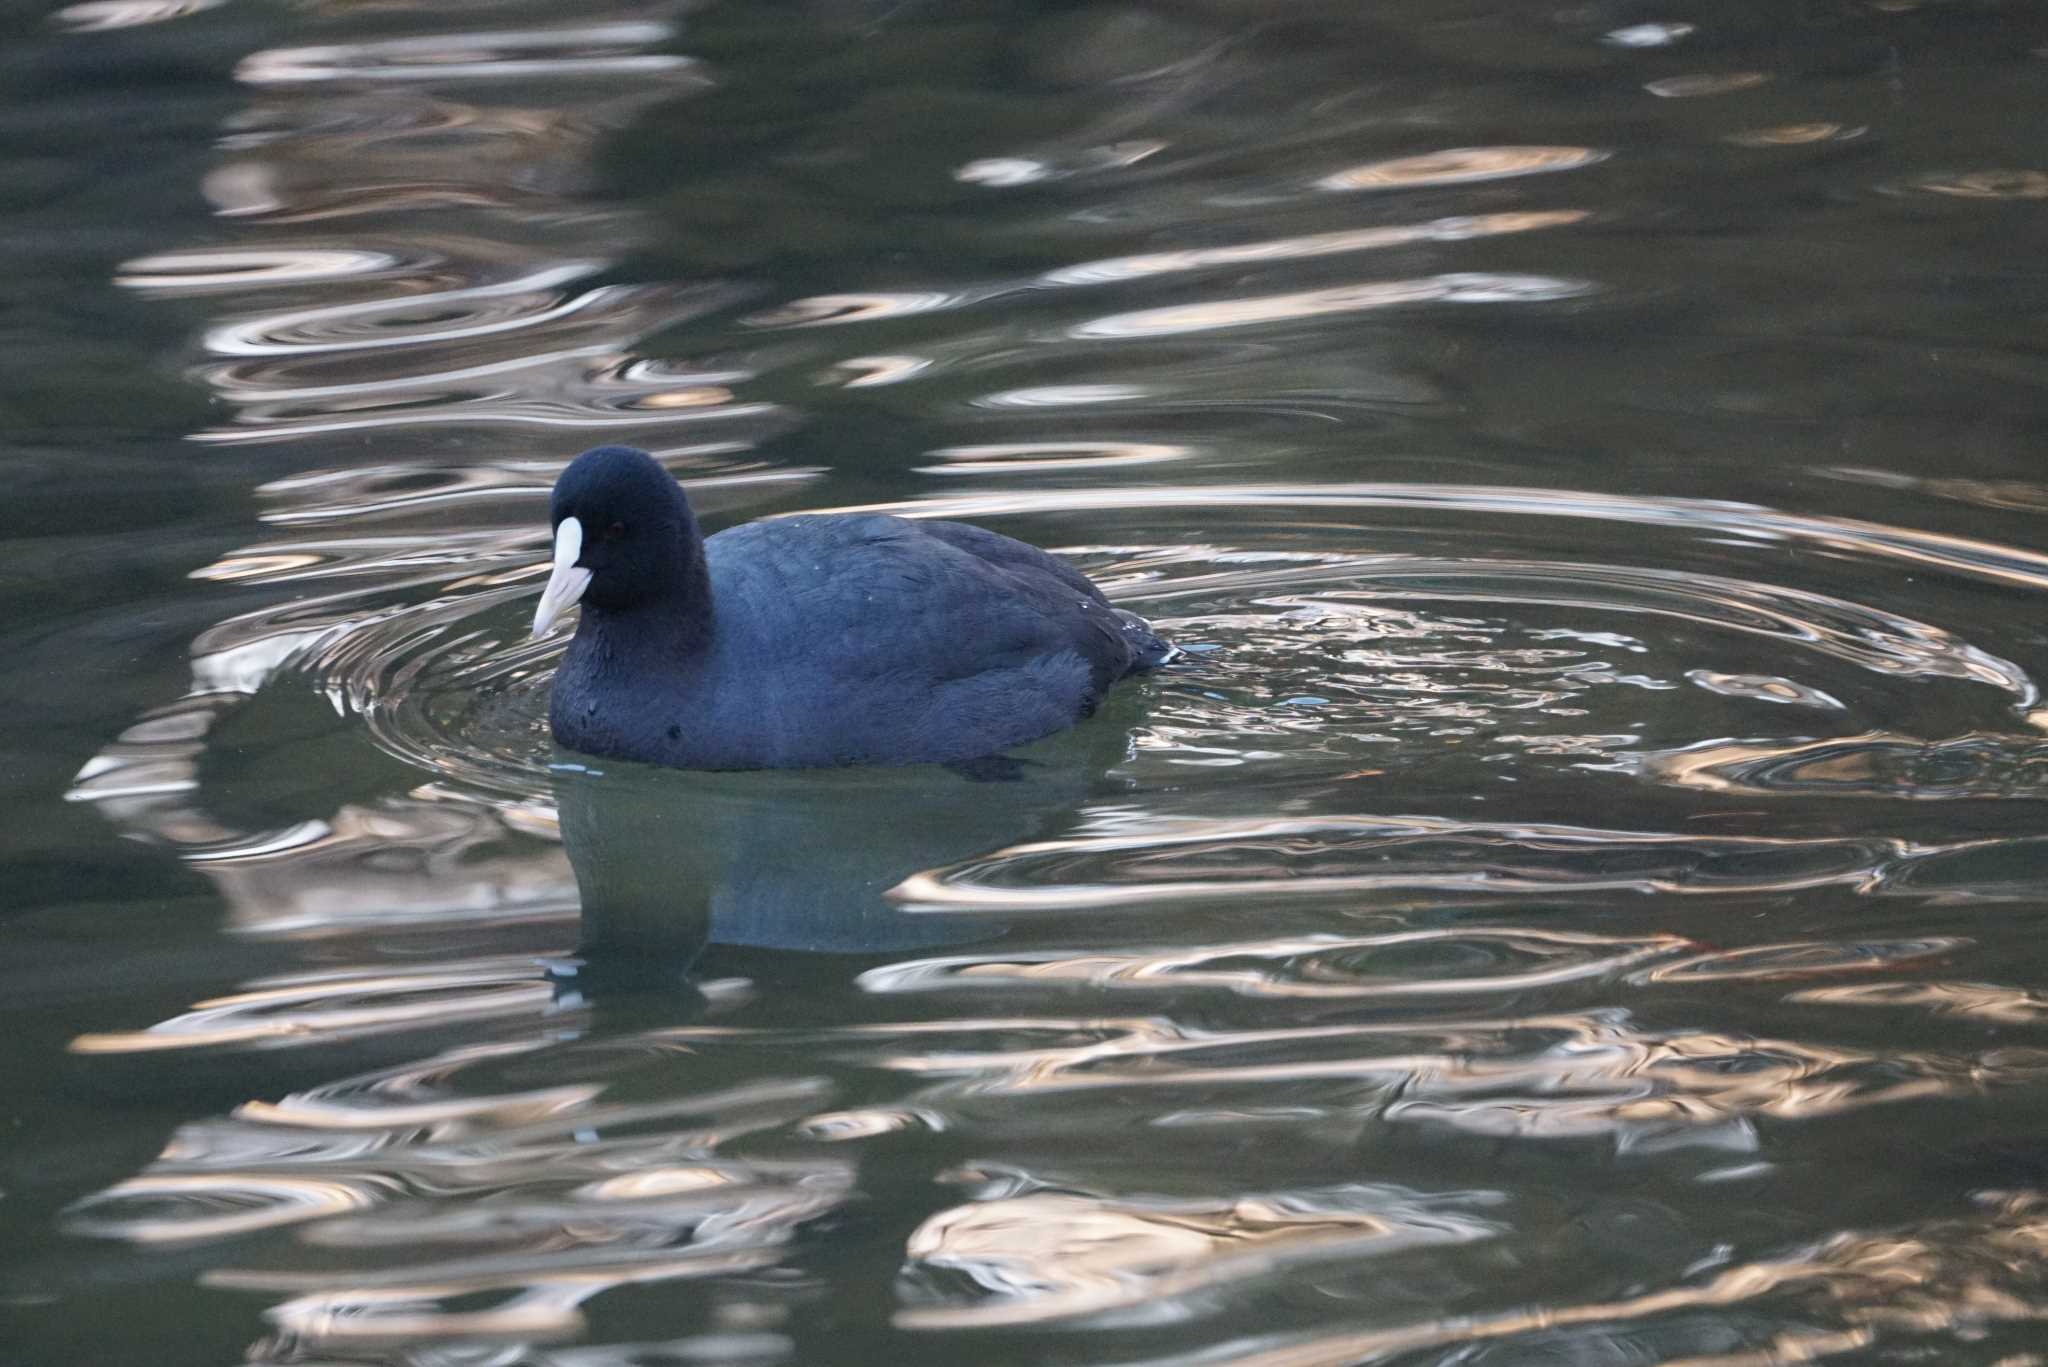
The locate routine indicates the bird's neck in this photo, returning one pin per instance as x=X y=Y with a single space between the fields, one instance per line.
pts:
x=659 y=631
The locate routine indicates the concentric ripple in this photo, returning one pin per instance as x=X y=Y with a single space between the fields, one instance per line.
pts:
x=1335 y=652
x=1570 y=904
x=1128 y=860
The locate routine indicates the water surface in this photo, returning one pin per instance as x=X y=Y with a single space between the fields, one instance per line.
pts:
x=1571 y=904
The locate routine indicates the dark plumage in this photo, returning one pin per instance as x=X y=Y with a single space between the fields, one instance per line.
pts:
x=818 y=640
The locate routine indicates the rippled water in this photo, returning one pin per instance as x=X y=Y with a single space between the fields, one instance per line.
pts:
x=1570 y=905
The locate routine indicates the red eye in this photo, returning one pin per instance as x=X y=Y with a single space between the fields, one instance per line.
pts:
x=615 y=532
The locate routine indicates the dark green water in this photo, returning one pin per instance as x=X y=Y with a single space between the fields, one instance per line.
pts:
x=1575 y=904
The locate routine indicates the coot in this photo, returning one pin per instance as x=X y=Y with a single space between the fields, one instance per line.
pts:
x=800 y=642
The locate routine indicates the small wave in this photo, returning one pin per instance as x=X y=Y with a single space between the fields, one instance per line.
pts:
x=1705 y=84
x=1960 y=1279
x=1008 y=458
x=2008 y=185
x=1036 y=1256
x=1175 y=860
x=1463 y=288
x=1464 y=962
x=1118 y=269
x=100 y=16
x=823 y=309
x=2012 y=565
x=1798 y=134
x=592 y=52
x=242 y=268
x=1462 y=166
x=325 y=1007
x=1873 y=765
x=1600 y=1075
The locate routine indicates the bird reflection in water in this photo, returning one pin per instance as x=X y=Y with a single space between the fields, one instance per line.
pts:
x=664 y=864
x=667 y=863
x=510 y=1085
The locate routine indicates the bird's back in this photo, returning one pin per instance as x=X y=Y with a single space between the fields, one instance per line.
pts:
x=865 y=638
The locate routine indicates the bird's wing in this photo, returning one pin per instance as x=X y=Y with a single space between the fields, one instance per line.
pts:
x=923 y=602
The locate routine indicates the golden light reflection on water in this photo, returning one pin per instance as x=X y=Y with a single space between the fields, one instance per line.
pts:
x=1319 y=966
x=868 y=372
x=270 y=1201
x=2018 y=566
x=1598 y=1075
x=1872 y=765
x=1136 y=862
x=1705 y=84
x=854 y=308
x=1049 y=1256
x=1300 y=248
x=243 y=268
x=1461 y=165
x=597 y=51
x=96 y=16
x=1050 y=455
x=1797 y=134
x=1468 y=288
x=1979 y=1001
x=494 y=1254
x=1918 y=1282
x=1315 y=954
x=1990 y=185
x=329 y=1007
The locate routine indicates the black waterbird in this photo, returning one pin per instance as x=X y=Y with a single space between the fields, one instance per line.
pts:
x=816 y=640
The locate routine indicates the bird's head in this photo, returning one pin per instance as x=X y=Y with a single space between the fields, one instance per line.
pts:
x=623 y=534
